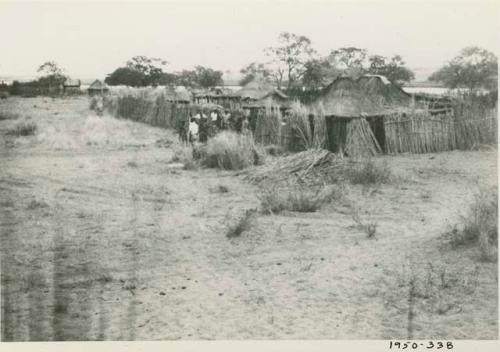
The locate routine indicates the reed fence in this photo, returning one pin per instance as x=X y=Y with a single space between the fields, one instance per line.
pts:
x=467 y=126
x=421 y=132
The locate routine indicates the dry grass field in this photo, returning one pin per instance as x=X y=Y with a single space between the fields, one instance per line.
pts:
x=103 y=237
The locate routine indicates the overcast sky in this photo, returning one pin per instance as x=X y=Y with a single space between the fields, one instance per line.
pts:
x=91 y=39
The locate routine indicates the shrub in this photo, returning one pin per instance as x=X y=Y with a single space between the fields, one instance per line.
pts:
x=4 y=95
x=368 y=173
x=480 y=225
x=230 y=151
x=298 y=198
x=4 y=115
x=23 y=129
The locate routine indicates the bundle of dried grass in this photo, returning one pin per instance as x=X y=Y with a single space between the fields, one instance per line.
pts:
x=300 y=129
x=268 y=127
x=361 y=141
x=320 y=132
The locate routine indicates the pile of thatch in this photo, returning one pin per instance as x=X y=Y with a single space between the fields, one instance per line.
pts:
x=309 y=167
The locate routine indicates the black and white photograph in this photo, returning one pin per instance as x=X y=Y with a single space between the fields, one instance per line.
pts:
x=249 y=170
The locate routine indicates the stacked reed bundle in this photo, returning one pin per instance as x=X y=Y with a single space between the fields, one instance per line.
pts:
x=268 y=127
x=320 y=133
x=299 y=129
x=360 y=140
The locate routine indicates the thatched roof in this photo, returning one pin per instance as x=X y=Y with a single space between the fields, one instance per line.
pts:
x=273 y=98
x=345 y=98
x=98 y=85
x=383 y=92
x=255 y=90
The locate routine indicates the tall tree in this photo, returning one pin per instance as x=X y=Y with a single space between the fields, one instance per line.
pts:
x=126 y=76
x=53 y=74
x=200 y=77
x=394 y=69
x=349 y=61
x=318 y=73
x=472 y=68
x=150 y=67
x=254 y=70
x=289 y=57
x=207 y=77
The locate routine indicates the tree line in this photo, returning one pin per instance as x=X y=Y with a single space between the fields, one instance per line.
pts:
x=294 y=64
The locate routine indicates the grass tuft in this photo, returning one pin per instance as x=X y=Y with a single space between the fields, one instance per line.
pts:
x=23 y=129
x=230 y=151
x=298 y=198
x=480 y=225
x=369 y=173
x=4 y=115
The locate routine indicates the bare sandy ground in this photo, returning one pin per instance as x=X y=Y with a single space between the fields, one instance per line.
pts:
x=103 y=239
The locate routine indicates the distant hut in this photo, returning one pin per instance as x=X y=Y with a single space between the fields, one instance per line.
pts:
x=384 y=93
x=71 y=86
x=347 y=109
x=178 y=95
x=255 y=90
x=272 y=98
x=218 y=95
x=258 y=95
x=97 y=88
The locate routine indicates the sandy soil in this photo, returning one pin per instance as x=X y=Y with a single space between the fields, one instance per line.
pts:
x=102 y=238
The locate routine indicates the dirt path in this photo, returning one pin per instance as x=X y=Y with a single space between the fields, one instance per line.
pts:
x=103 y=239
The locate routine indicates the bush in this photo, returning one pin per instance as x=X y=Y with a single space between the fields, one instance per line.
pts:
x=480 y=225
x=4 y=95
x=8 y=116
x=23 y=129
x=298 y=198
x=230 y=151
x=369 y=173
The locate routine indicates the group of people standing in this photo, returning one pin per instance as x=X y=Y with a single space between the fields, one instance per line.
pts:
x=205 y=124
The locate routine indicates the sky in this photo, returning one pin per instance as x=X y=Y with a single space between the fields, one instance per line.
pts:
x=90 y=39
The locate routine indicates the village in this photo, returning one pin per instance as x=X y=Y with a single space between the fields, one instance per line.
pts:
x=315 y=197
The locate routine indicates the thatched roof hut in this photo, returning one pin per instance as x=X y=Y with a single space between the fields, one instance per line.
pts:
x=354 y=122
x=345 y=99
x=255 y=90
x=97 y=87
x=260 y=93
x=383 y=92
x=272 y=98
